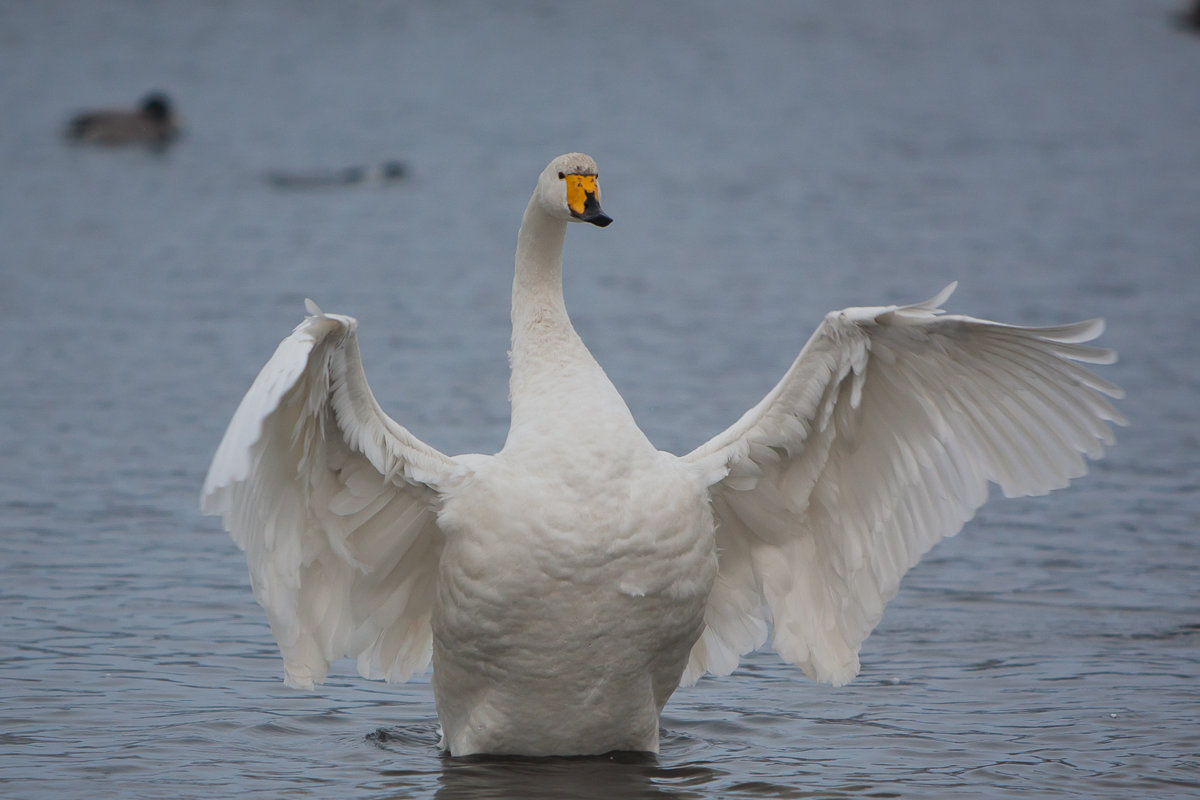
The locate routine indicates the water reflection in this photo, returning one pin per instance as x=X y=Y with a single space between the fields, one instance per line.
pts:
x=624 y=775
x=618 y=774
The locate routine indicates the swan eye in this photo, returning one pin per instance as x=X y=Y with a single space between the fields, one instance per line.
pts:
x=562 y=176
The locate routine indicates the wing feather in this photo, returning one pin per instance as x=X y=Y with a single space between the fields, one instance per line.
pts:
x=335 y=505
x=879 y=441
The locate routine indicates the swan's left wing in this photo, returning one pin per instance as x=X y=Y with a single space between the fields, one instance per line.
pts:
x=878 y=442
x=335 y=505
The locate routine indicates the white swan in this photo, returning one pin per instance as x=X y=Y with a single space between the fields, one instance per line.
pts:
x=565 y=586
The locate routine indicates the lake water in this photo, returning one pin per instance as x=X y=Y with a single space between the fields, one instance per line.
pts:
x=765 y=162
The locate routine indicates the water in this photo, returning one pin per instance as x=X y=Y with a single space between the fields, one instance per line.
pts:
x=765 y=162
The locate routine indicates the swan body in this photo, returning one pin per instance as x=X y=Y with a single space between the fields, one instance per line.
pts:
x=566 y=586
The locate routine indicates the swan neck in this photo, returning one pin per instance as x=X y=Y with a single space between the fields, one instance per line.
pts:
x=548 y=359
x=555 y=381
x=537 y=282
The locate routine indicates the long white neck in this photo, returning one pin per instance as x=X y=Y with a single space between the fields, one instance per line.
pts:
x=555 y=381
x=537 y=299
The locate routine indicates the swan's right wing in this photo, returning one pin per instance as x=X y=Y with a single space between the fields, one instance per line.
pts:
x=877 y=443
x=335 y=505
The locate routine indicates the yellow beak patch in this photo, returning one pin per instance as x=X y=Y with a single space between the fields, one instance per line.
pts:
x=578 y=189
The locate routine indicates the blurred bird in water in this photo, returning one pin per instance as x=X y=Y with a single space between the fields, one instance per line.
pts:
x=385 y=172
x=153 y=122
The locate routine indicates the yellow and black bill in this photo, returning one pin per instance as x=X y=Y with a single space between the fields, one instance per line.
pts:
x=583 y=200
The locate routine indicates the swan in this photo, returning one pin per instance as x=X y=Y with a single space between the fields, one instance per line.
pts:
x=153 y=122
x=567 y=585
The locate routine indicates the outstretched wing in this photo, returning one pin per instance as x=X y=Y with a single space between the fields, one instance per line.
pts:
x=879 y=441
x=335 y=505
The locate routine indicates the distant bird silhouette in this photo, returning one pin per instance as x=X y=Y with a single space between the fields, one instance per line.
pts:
x=385 y=172
x=153 y=122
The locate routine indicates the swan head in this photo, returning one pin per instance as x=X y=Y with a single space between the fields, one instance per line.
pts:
x=569 y=189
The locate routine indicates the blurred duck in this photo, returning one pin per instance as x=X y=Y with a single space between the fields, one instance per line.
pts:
x=153 y=122
x=385 y=172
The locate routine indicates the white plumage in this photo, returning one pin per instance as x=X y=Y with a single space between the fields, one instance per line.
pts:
x=565 y=586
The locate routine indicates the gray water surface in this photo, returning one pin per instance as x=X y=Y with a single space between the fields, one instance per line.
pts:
x=765 y=163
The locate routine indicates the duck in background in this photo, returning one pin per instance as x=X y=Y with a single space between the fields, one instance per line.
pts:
x=153 y=122
x=377 y=174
